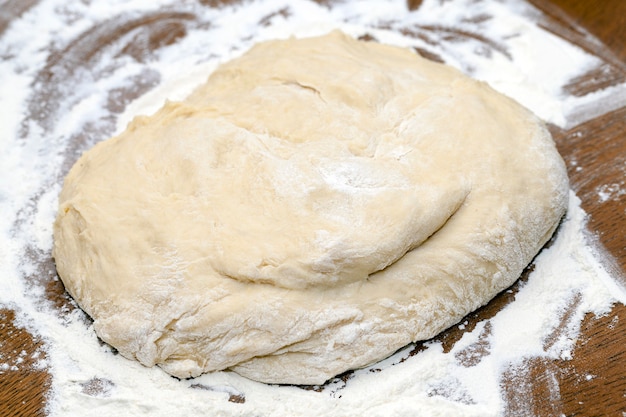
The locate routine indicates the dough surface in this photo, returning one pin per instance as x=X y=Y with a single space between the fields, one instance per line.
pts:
x=318 y=204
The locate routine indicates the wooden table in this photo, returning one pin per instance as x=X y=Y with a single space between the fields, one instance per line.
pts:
x=601 y=349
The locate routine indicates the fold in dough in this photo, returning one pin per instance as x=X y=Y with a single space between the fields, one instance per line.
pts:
x=316 y=205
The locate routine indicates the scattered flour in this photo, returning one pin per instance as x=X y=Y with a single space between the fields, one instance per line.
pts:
x=611 y=191
x=494 y=40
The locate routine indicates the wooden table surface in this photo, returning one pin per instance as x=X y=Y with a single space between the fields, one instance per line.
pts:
x=601 y=348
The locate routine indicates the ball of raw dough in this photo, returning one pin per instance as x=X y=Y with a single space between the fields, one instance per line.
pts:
x=316 y=205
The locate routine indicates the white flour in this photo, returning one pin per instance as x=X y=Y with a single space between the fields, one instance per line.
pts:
x=511 y=53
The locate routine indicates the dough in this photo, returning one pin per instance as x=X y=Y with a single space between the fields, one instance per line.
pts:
x=316 y=205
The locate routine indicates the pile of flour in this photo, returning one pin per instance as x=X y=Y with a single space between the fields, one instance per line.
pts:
x=512 y=53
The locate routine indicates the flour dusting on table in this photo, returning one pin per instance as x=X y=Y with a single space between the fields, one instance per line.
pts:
x=55 y=106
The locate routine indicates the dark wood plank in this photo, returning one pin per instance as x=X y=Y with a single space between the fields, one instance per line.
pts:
x=604 y=19
x=23 y=386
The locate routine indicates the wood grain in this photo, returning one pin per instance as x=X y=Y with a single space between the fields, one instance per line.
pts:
x=606 y=20
x=593 y=382
x=22 y=387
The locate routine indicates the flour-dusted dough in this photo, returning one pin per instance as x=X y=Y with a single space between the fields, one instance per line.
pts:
x=316 y=205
